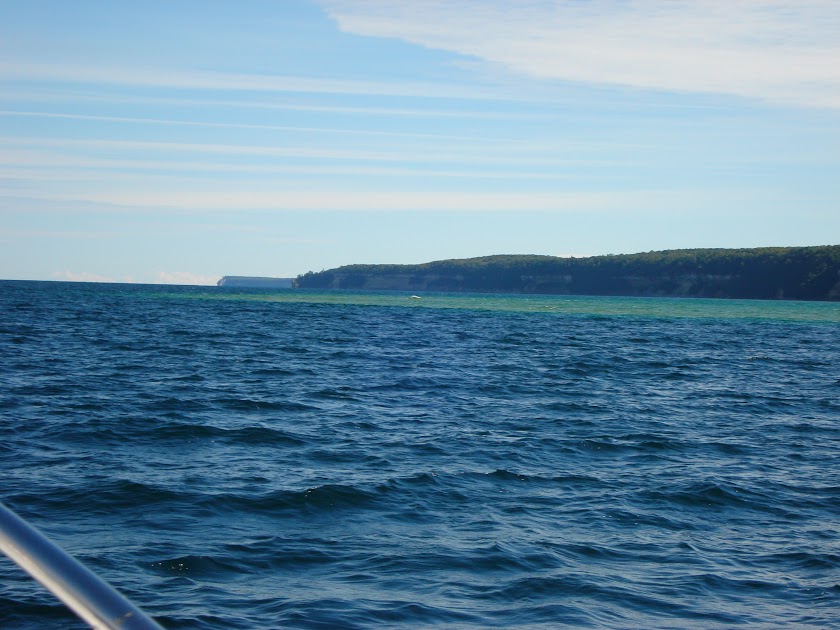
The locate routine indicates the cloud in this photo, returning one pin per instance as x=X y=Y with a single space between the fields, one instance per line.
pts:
x=225 y=200
x=55 y=167
x=84 y=276
x=161 y=277
x=229 y=81
x=780 y=51
x=184 y=277
x=58 y=234
x=16 y=151
x=135 y=146
x=232 y=125
x=40 y=94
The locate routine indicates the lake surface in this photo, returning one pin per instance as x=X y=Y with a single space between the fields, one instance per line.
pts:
x=257 y=459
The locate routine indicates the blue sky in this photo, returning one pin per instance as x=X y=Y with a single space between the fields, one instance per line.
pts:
x=179 y=141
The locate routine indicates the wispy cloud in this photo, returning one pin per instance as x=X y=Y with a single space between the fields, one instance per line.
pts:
x=83 y=276
x=207 y=148
x=230 y=81
x=57 y=93
x=235 y=125
x=64 y=235
x=19 y=151
x=73 y=169
x=779 y=51
x=160 y=277
x=41 y=166
x=223 y=200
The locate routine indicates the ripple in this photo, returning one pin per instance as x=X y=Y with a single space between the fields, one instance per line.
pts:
x=469 y=463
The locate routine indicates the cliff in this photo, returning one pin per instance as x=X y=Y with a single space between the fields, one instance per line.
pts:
x=802 y=273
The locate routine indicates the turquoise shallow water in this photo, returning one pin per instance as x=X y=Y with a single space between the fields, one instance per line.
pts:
x=561 y=305
x=241 y=459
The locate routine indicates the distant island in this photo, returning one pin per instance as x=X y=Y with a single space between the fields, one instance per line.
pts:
x=252 y=282
x=796 y=273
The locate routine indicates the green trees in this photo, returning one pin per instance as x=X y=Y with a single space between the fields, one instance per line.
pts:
x=804 y=273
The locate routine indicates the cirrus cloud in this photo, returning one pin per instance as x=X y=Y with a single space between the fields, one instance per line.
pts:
x=780 y=51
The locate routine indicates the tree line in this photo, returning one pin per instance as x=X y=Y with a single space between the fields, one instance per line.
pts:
x=802 y=273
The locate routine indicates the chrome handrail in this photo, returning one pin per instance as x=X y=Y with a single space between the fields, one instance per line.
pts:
x=84 y=592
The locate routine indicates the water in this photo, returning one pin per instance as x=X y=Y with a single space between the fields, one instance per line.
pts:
x=244 y=459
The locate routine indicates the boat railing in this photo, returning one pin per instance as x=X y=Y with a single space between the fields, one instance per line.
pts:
x=85 y=593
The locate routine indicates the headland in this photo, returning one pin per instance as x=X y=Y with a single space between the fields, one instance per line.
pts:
x=798 y=273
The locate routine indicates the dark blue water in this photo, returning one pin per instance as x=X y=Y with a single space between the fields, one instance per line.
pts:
x=324 y=460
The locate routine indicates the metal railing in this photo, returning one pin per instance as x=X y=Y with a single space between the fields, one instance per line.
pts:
x=81 y=590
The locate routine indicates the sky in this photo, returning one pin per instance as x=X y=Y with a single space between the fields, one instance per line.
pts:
x=178 y=141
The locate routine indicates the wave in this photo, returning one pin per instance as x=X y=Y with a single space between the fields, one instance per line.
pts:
x=232 y=460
